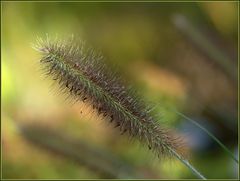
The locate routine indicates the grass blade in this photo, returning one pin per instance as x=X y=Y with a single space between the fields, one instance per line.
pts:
x=229 y=153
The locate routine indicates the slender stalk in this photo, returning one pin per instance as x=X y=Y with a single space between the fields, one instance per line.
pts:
x=211 y=135
x=186 y=163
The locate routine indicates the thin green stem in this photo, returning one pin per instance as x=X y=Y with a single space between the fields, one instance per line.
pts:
x=211 y=135
x=186 y=163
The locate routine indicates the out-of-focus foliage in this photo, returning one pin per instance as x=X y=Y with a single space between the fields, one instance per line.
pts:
x=164 y=61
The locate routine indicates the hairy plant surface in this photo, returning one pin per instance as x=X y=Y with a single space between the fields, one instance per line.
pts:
x=81 y=72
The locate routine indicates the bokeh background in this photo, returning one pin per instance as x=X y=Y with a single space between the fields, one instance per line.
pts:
x=177 y=55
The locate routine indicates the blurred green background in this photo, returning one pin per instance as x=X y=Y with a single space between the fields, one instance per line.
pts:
x=177 y=55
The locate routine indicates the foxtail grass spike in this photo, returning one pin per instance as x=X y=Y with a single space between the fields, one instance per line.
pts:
x=81 y=72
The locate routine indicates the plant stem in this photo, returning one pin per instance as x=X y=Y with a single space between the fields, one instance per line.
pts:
x=186 y=163
x=211 y=135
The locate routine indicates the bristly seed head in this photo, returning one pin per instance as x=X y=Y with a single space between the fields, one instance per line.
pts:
x=81 y=72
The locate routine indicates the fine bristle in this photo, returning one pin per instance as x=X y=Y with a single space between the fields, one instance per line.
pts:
x=81 y=72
